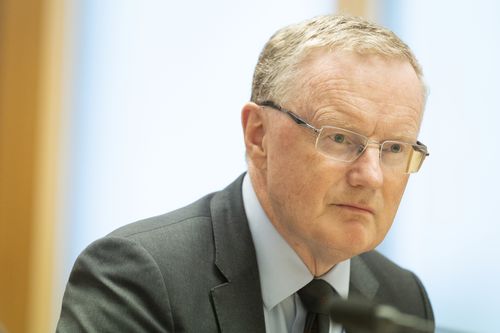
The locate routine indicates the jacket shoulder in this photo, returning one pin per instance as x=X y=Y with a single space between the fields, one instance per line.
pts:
x=196 y=211
x=397 y=286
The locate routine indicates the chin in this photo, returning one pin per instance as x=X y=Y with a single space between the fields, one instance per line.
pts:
x=356 y=242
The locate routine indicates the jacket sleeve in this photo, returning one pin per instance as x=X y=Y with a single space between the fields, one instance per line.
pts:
x=115 y=286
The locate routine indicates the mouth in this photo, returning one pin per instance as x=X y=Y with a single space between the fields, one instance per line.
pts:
x=357 y=208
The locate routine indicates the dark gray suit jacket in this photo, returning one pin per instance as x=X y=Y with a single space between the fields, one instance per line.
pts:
x=195 y=270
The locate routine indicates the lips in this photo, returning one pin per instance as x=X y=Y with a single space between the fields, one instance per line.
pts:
x=357 y=207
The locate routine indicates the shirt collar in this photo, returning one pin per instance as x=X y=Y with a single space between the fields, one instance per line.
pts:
x=281 y=271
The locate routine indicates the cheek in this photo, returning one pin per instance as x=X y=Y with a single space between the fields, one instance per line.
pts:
x=393 y=192
x=291 y=177
x=290 y=159
x=295 y=174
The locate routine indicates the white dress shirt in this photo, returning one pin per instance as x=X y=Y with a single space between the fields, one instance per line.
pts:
x=282 y=273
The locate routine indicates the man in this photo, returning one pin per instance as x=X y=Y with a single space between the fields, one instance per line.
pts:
x=331 y=137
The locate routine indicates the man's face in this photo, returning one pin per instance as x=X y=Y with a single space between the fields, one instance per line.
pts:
x=329 y=210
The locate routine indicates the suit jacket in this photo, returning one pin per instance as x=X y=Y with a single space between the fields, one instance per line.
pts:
x=195 y=270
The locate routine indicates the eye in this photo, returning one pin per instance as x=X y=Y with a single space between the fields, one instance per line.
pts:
x=396 y=148
x=338 y=138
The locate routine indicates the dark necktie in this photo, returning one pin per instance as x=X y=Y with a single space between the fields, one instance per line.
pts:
x=317 y=297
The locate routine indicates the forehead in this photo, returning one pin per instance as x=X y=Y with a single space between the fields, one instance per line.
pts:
x=371 y=94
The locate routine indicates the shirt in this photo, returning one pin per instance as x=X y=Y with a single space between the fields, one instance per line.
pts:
x=282 y=273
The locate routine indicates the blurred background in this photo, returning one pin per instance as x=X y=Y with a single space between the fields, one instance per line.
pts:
x=116 y=110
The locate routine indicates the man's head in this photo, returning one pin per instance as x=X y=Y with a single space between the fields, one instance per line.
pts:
x=279 y=61
x=326 y=189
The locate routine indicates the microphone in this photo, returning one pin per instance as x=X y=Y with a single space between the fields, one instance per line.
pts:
x=374 y=318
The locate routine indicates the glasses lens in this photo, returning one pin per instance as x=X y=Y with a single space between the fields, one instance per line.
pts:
x=401 y=157
x=340 y=144
x=395 y=157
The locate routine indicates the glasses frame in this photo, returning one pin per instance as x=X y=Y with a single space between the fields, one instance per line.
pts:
x=413 y=166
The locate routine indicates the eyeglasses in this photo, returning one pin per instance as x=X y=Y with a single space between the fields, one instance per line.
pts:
x=346 y=146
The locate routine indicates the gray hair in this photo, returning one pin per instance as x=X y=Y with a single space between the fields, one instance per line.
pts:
x=279 y=61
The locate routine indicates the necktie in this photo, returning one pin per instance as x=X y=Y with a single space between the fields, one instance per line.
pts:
x=317 y=297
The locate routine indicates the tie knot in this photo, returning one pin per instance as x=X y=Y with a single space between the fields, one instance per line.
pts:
x=318 y=296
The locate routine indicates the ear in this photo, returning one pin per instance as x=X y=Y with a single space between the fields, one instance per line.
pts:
x=254 y=124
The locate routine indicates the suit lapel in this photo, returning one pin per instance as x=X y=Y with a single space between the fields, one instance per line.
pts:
x=363 y=284
x=237 y=302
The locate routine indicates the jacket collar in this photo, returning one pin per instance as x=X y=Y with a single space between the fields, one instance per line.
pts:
x=237 y=302
x=363 y=284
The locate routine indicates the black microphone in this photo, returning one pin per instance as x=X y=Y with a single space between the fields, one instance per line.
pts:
x=363 y=316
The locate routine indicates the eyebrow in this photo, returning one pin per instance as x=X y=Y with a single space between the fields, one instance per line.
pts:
x=330 y=120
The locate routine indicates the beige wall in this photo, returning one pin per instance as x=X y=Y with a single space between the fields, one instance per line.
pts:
x=30 y=39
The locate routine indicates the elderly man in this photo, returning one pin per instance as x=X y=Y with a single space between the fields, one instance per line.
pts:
x=331 y=138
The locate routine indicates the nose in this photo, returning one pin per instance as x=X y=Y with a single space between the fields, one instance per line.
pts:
x=366 y=170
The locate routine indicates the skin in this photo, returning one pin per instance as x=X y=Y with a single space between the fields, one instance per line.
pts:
x=329 y=211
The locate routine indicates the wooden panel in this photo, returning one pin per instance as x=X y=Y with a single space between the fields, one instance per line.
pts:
x=363 y=8
x=19 y=84
x=28 y=151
